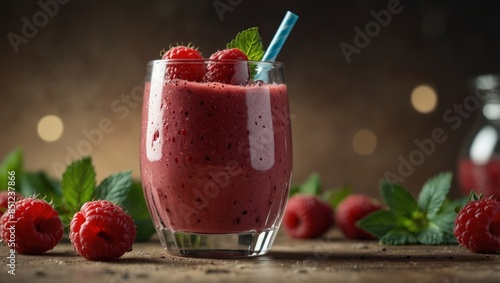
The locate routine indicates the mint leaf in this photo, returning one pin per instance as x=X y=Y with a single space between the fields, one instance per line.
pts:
x=458 y=203
x=449 y=238
x=135 y=205
x=379 y=223
x=398 y=199
x=41 y=185
x=432 y=235
x=78 y=183
x=13 y=161
x=433 y=193
x=312 y=185
x=398 y=236
x=294 y=189
x=335 y=196
x=250 y=42
x=115 y=187
x=427 y=221
x=445 y=220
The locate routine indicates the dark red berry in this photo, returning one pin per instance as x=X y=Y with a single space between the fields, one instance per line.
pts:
x=306 y=216
x=101 y=230
x=7 y=197
x=33 y=226
x=191 y=68
x=228 y=66
x=477 y=226
x=352 y=209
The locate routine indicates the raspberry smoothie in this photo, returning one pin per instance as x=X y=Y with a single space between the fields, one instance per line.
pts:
x=215 y=158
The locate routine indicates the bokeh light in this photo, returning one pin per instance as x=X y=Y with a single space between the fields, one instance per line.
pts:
x=50 y=128
x=424 y=99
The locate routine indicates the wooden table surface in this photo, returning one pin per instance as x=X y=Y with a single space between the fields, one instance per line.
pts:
x=330 y=259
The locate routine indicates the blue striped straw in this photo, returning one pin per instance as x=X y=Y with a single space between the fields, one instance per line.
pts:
x=277 y=42
x=280 y=36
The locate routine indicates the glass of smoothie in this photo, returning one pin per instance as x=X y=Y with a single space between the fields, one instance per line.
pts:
x=216 y=158
x=478 y=165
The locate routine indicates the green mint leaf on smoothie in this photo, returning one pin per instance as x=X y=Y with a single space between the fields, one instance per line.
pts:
x=78 y=183
x=250 y=42
x=115 y=188
x=427 y=221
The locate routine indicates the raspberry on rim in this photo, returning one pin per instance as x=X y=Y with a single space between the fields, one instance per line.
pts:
x=225 y=67
x=190 y=72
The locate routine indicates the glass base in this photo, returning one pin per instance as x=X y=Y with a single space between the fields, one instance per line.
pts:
x=235 y=245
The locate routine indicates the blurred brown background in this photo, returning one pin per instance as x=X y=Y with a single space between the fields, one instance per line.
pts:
x=84 y=61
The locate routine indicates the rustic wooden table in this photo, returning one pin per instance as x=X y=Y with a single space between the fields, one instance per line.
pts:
x=330 y=259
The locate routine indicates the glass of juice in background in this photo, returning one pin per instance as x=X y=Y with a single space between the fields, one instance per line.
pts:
x=216 y=159
x=479 y=161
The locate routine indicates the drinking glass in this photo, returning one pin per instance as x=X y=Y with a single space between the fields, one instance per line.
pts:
x=216 y=155
x=479 y=159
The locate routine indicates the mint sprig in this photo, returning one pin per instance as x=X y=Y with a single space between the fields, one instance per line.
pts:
x=427 y=220
x=250 y=42
x=78 y=186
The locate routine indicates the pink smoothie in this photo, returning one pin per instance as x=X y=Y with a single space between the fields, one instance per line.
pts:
x=216 y=158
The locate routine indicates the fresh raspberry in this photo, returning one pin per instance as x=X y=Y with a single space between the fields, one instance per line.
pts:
x=477 y=226
x=101 y=230
x=350 y=210
x=7 y=197
x=306 y=216
x=191 y=71
x=33 y=227
x=226 y=68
